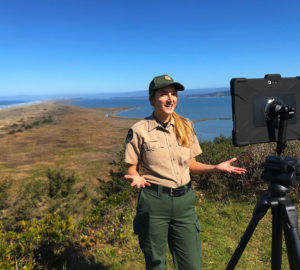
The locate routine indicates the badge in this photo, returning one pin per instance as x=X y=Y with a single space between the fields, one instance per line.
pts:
x=129 y=136
x=168 y=78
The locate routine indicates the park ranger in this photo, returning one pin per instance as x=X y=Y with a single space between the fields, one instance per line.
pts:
x=160 y=153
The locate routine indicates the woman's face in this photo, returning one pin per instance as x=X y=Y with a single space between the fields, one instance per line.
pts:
x=164 y=101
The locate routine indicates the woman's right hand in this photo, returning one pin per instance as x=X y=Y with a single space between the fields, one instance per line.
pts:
x=137 y=180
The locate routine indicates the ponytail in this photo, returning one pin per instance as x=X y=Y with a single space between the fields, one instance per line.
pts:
x=183 y=130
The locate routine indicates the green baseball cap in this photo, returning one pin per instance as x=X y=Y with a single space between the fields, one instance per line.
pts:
x=163 y=81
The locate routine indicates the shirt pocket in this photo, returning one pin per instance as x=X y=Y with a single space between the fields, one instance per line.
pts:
x=153 y=146
x=154 y=152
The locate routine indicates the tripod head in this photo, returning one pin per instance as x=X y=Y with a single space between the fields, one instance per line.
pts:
x=280 y=171
x=274 y=112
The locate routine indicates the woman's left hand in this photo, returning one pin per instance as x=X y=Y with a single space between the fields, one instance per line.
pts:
x=227 y=167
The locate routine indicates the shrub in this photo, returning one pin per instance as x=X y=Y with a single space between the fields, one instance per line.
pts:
x=4 y=188
x=48 y=120
x=30 y=197
x=117 y=183
x=48 y=243
x=250 y=157
x=28 y=127
x=60 y=183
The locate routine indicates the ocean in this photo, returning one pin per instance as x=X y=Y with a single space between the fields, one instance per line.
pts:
x=9 y=103
x=196 y=108
x=13 y=103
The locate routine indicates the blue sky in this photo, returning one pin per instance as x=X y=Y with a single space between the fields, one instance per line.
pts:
x=89 y=46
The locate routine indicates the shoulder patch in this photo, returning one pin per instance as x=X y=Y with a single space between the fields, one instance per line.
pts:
x=129 y=136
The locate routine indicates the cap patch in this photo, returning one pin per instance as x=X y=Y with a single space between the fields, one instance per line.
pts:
x=168 y=78
x=129 y=136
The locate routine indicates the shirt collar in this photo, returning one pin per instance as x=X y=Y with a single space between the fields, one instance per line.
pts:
x=153 y=124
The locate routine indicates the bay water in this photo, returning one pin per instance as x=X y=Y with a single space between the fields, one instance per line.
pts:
x=211 y=115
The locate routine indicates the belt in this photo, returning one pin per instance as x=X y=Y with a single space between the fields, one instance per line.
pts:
x=173 y=192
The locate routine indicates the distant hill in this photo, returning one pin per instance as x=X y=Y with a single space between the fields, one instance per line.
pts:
x=225 y=93
x=201 y=92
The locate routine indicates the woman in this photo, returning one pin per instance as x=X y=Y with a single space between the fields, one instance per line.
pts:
x=160 y=152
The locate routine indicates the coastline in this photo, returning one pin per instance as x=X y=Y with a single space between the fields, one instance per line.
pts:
x=22 y=107
x=5 y=106
x=53 y=134
x=36 y=112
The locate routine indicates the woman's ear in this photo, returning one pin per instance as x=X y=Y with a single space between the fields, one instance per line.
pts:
x=151 y=100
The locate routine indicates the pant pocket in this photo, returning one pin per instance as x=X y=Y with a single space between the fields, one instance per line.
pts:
x=141 y=223
x=198 y=226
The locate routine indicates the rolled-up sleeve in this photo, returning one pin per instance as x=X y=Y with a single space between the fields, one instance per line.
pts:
x=133 y=148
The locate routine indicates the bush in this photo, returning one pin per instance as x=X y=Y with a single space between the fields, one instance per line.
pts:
x=30 y=197
x=48 y=243
x=251 y=157
x=4 y=189
x=117 y=183
x=48 y=120
x=60 y=184
x=36 y=123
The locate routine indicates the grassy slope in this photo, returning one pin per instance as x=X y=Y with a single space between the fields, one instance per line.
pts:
x=82 y=140
x=223 y=224
x=85 y=141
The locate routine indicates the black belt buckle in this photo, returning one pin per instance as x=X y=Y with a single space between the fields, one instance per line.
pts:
x=176 y=192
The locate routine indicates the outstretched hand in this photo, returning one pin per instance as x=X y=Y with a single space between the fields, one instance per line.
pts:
x=227 y=167
x=137 y=180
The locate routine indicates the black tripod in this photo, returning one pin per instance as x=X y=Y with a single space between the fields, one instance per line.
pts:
x=281 y=173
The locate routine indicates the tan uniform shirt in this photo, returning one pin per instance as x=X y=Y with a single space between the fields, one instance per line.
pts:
x=157 y=152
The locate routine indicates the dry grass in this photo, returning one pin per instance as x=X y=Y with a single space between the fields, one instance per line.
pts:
x=81 y=140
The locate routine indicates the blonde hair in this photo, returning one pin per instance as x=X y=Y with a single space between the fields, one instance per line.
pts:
x=183 y=130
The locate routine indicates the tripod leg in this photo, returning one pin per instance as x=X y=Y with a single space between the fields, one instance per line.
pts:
x=260 y=210
x=290 y=217
x=276 y=237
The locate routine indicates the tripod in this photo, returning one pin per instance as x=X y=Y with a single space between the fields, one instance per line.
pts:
x=284 y=216
x=281 y=173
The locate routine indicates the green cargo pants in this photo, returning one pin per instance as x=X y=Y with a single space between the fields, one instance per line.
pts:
x=161 y=218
